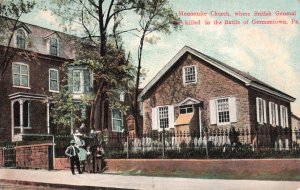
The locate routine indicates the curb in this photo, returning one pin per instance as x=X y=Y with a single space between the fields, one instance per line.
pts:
x=52 y=185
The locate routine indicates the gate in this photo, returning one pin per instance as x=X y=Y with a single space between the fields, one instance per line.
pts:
x=9 y=156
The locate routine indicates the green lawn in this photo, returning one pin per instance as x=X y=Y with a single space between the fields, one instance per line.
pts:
x=261 y=176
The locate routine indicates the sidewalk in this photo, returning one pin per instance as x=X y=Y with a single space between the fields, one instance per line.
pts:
x=85 y=181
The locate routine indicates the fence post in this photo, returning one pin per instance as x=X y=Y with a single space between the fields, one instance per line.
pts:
x=206 y=144
x=53 y=151
x=163 y=138
x=127 y=139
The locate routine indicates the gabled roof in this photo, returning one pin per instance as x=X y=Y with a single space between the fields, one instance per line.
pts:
x=295 y=116
x=240 y=75
x=24 y=26
x=188 y=101
x=49 y=35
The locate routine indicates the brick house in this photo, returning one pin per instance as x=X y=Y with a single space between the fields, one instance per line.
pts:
x=33 y=75
x=194 y=92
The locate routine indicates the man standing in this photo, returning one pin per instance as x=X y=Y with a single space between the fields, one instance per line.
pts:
x=72 y=152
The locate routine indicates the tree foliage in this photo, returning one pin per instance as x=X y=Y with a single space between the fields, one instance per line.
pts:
x=66 y=110
x=155 y=16
x=102 y=25
x=10 y=13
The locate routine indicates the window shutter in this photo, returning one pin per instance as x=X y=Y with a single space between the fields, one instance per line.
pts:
x=70 y=80
x=183 y=75
x=232 y=109
x=154 y=119
x=286 y=117
x=87 y=79
x=270 y=113
x=257 y=110
x=265 y=111
x=213 y=112
x=196 y=74
x=281 y=116
x=276 y=116
x=171 y=116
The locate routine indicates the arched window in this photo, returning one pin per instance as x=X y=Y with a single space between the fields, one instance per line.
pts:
x=25 y=111
x=54 y=46
x=17 y=114
x=21 y=38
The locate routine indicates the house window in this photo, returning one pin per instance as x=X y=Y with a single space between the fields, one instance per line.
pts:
x=186 y=109
x=117 y=120
x=223 y=110
x=189 y=74
x=273 y=113
x=284 y=116
x=54 y=46
x=17 y=114
x=122 y=96
x=21 y=39
x=20 y=75
x=78 y=82
x=163 y=117
x=261 y=110
x=53 y=80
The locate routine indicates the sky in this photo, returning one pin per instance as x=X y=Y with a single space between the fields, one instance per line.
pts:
x=269 y=52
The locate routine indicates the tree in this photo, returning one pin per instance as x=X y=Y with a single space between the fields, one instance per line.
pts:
x=100 y=21
x=97 y=19
x=65 y=111
x=10 y=13
x=155 y=16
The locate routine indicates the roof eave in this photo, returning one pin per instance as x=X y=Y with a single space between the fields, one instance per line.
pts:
x=282 y=96
x=185 y=49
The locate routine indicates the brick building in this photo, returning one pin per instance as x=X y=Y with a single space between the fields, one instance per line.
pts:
x=34 y=74
x=31 y=76
x=194 y=92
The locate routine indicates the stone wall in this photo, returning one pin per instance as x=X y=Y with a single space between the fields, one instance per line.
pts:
x=1 y=157
x=37 y=156
x=243 y=167
x=192 y=167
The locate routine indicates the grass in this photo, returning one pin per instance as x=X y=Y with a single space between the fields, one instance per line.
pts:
x=217 y=175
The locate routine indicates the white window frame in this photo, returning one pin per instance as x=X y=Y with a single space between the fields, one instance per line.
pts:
x=184 y=72
x=214 y=113
x=16 y=40
x=218 y=111
x=80 y=71
x=18 y=63
x=21 y=112
x=156 y=117
x=122 y=96
x=284 y=121
x=113 y=119
x=261 y=110
x=159 y=117
x=273 y=114
x=186 y=108
x=58 y=44
x=57 y=79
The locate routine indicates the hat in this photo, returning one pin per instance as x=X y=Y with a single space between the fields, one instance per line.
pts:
x=72 y=142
